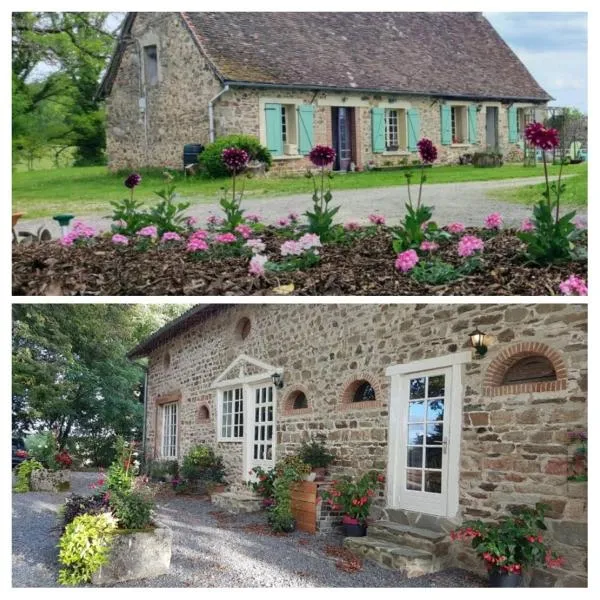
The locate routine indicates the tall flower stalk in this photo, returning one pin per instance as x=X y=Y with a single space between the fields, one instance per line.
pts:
x=320 y=220
x=236 y=161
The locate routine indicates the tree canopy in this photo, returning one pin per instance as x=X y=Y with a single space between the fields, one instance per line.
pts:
x=57 y=61
x=70 y=370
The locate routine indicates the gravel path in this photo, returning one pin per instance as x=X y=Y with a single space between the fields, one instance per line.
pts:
x=468 y=203
x=209 y=550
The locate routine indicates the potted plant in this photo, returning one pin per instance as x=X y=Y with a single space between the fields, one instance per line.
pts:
x=315 y=454
x=354 y=499
x=510 y=545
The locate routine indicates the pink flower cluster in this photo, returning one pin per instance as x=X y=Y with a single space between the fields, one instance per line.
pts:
x=291 y=248
x=253 y=218
x=197 y=241
x=257 y=265
x=468 y=245
x=79 y=232
x=579 y=222
x=352 y=226
x=573 y=286
x=527 y=225
x=225 y=238
x=309 y=241
x=429 y=246
x=150 y=231
x=191 y=221
x=170 y=236
x=493 y=221
x=235 y=159
x=282 y=222
x=456 y=228
x=120 y=239
x=293 y=217
x=406 y=260
x=257 y=245
x=214 y=220
x=377 y=219
x=244 y=230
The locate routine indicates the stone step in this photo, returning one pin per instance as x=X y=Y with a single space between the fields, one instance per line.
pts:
x=237 y=502
x=411 y=561
x=408 y=535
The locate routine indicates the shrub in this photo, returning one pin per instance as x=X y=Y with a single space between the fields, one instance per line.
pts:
x=133 y=510
x=75 y=506
x=487 y=159
x=264 y=486
x=84 y=547
x=202 y=463
x=315 y=454
x=211 y=159
x=24 y=471
x=43 y=448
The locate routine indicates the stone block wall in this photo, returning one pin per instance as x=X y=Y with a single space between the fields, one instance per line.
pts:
x=514 y=445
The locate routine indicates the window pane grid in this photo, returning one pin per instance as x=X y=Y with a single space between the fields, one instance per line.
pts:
x=232 y=414
x=391 y=129
x=169 y=442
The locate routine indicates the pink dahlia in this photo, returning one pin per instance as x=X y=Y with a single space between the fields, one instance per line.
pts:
x=542 y=137
x=170 y=236
x=257 y=265
x=493 y=221
x=150 y=231
x=291 y=248
x=225 y=238
x=321 y=156
x=310 y=240
x=377 y=219
x=573 y=286
x=196 y=245
x=527 y=225
x=456 y=228
x=120 y=240
x=235 y=159
x=257 y=245
x=244 y=230
x=468 y=245
x=406 y=260
x=428 y=246
x=427 y=151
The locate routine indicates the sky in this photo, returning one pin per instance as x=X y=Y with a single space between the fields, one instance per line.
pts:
x=553 y=46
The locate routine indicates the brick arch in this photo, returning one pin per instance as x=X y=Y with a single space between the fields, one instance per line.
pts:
x=350 y=386
x=290 y=396
x=494 y=376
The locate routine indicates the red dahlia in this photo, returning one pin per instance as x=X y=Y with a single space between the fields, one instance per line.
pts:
x=321 y=156
x=235 y=159
x=427 y=151
x=542 y=137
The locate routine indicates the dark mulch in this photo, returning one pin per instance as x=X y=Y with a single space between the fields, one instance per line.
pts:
x=364 y=268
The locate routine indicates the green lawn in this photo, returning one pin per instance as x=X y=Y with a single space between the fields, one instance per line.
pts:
x=87 y=190
x=575 y=194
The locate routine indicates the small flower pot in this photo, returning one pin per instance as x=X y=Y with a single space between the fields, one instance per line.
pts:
x=319 y=473
x=358 y=530
x=502 y=579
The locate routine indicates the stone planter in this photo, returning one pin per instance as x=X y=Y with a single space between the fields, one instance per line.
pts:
x=43 y=480
x=136 y=555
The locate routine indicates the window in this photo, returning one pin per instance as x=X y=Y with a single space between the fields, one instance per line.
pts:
x=530 y=369
x=395 y=129
x=232 y=414
x=169 y=430
x=459 y=125
x=150 y=65
x=300 y=401
x=288 y=128
x=364 y=392
x=166 y=360
x=520 y=122
x=284 y=110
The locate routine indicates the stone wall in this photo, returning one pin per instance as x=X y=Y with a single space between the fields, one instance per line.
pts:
x=176 y=108
x=514 y=445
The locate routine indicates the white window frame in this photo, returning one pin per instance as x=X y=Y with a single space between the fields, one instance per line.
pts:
x=397 y=373
x=229 y=395
x=463 y=140
x=170 y=421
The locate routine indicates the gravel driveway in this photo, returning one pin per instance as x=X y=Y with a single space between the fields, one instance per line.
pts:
x=209 y=550
x=468 y=203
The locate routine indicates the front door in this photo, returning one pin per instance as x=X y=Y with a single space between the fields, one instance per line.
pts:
x=260 y=446
x=491 y=127
x=341 y=120
x=420 y=440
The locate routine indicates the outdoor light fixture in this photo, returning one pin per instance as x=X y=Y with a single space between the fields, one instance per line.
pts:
x=277 y=380
x=478 y=341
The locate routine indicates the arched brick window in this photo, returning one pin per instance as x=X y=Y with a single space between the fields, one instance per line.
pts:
x=362 y=391
x=297 y=401
x=203 y=413
x=524 y=368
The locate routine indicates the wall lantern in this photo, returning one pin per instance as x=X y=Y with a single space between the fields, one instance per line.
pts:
x=478 y=341
x=277 y=380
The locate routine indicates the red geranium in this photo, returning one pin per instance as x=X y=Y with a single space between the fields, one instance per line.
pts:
x=64 y=459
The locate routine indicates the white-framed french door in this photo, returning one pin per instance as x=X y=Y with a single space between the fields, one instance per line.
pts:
x=424 y=435
x=260 y=432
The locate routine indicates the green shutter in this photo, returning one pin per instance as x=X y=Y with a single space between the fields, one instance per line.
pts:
x=414 y=128
x=472 y=115
x=378 y=129
x=513 y=133
x=305 y=128
x=273 y=126
x=446 y=124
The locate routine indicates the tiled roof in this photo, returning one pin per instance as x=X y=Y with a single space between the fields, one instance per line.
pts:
x=450 y=54
x=439 y=54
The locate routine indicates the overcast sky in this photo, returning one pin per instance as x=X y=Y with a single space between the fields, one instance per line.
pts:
x=553 y=46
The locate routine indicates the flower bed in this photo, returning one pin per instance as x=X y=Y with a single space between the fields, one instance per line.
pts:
x=362 y=267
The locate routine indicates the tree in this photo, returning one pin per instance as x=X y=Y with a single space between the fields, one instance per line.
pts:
x=57 y=60
x=70 y=371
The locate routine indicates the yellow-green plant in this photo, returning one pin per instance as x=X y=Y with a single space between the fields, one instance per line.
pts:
x=84 y=547
x=24 y=471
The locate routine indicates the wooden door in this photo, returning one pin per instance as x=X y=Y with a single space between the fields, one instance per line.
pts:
x=341 y=120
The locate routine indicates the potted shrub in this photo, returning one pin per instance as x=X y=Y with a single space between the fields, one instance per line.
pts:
x=264 y=484
x=54 y=474
x=510 y=545
x=354 y=498
x=203 y=468
x=315 y=454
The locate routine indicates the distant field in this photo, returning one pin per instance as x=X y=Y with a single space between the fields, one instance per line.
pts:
x=88 y=190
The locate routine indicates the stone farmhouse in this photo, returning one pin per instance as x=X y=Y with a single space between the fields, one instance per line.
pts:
x=368 y=84
x=397 y=388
